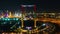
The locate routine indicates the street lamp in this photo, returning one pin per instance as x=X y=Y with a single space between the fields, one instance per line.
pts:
x=28 y=28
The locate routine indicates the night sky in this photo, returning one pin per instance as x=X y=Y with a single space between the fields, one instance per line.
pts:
x=41 y=4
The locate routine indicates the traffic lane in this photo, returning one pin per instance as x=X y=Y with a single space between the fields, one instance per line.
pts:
x=56 y=21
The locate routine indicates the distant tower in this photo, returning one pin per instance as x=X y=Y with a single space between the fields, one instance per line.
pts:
x=23 y=11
